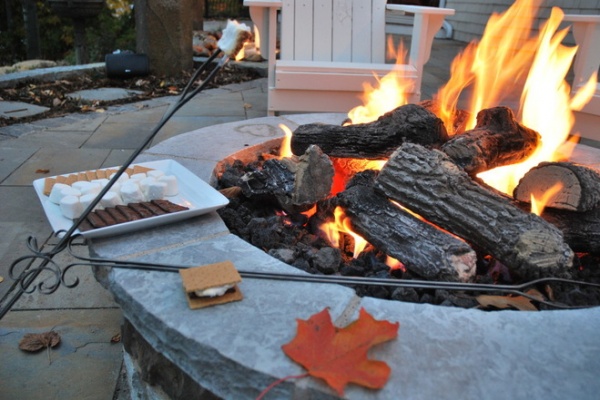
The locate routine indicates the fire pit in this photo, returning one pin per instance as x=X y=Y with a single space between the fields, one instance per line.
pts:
x=234 y=350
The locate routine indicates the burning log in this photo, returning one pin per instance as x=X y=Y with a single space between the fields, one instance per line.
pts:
x=459 y=118
x=497 y=139
x=577 y=187
x=430 y=184
x=297 y=183
x=421 y=247
x=581 y=230
x=374 y=140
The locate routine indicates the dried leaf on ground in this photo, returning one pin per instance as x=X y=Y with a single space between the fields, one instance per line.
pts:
x=116 y=338
x=339 y=355
x=518 y=302
x=37 y=341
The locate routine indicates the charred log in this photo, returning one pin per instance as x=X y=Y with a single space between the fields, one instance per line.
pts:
x=497 y=140
x=579 y=186
x=581 y=230
x=460 y=118
x=297 y=183
x=374 y=140
x=274 y=178
x=421 y=247
x=430 y=184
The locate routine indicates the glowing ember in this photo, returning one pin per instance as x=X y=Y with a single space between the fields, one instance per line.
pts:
x=342 y=225
x=394 y=264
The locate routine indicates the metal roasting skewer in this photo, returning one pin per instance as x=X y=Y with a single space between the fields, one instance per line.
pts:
x=67 y=240
x=518 y=289
x=29 y=273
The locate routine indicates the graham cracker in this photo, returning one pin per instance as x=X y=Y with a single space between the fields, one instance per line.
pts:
x=207 y=276
x=138 y=169
x=48 y=184
x=90 y=175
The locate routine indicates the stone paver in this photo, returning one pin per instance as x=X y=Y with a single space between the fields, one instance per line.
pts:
x=85 y=365
x=104 y=94
x=17 y=109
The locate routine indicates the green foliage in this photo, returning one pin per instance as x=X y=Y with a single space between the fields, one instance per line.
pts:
x=108 y=33
x=113 y=29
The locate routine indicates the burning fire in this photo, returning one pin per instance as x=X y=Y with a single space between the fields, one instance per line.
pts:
x=341 y=224
x=538 y=205
x=390 y=93
x=546 y=105
x=286 y=144
x=508 y=59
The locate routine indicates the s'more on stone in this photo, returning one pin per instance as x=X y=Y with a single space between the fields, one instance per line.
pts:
x=211 y=284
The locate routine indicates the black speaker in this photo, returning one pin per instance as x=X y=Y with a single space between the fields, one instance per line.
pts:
x=126 y=65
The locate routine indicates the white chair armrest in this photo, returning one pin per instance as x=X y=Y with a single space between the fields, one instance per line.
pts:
x=420 y=9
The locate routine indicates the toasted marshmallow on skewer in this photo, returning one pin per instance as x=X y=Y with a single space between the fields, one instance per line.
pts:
x=234 y=36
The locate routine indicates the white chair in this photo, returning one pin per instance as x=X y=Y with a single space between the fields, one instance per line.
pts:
x=586 y=31
x=330 y=48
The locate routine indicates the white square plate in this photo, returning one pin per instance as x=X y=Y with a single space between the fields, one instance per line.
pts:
x=194 y=193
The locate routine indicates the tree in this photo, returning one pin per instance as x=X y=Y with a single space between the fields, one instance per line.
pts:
x=32 y=38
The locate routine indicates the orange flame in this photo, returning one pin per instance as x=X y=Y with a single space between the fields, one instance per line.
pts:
x=342 y=225
x=546 y=105
x=538 y=205
x=285 y=150
x=394 y=263
x=389 y=94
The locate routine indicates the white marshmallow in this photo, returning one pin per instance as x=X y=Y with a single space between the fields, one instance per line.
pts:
x=70 y=207
x=55 y=193
x=131 y=193
x=101 y=181
x=156 y=191
x=93 y=188
x=111 y=199
x=155 y=173
x=171 y=182
x=86 y=200
x=213 y=291
x=137 y=177
x=145 y=183
x=81 y=185
x=69 y=191
x=124 y=177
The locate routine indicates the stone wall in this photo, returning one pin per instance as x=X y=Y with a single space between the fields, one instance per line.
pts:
x=472 y=15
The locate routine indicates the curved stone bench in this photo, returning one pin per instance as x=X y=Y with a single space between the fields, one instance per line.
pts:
x=234 y=350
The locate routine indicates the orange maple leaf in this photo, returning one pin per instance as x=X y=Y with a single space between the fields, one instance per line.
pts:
x=339 y=355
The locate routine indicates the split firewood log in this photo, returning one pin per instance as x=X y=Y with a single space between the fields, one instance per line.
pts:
x=581 y=230
x=497 y=139
x=578 y=190
x=373 y=140
x=423 y=249
x=429 y=183
x=296 y=183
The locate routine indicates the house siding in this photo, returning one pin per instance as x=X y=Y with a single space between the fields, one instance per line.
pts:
x=472 y=15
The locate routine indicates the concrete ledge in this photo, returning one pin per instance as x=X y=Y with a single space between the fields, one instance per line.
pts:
x=48 y=74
